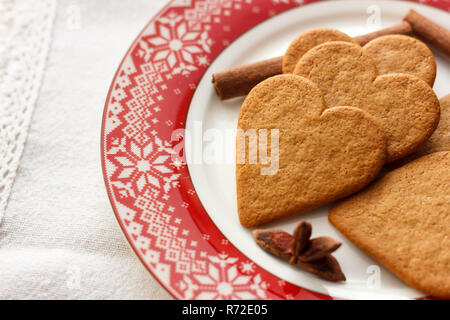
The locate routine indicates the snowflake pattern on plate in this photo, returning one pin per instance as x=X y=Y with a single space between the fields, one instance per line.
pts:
x=175 y=44
x=223 y=281
x=150 y=190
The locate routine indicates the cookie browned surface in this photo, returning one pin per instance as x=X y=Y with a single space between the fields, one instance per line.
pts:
x=403 y=221
x=308 y=40
x=324 y=155
x=390 y=53
x=405 y=105
x=440 y=140
x=402 y=54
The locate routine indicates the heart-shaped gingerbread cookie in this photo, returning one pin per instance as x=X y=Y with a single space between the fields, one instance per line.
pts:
x=323 y=155
x=308 y=40
x=405 y=105
x=440 y=140
x=390 y=53
x=402 y=54
x=403 y=221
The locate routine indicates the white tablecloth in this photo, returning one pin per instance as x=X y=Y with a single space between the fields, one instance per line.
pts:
x=59 y=238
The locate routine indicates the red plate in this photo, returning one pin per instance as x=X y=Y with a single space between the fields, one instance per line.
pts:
x=153 y=197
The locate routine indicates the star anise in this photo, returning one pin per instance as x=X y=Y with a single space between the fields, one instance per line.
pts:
x=314 y=255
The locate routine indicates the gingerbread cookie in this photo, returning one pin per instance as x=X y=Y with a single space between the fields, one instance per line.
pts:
x=402 y=54
x=308 y=40
x=390 y=53
x=403 y=221
x=405 y=105
x=323 y=154
x=440 y=140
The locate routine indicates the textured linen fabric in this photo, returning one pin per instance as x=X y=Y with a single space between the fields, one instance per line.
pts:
x=25 y=37
x=59 y=238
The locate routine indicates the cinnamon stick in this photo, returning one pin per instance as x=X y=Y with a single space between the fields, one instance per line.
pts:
x=429 y=31
x=238 y=81
x=402 y=28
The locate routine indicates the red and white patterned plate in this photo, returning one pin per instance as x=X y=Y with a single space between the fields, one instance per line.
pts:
x=153 y=197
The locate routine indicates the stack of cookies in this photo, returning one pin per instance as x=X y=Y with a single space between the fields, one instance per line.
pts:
x=344 y=111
